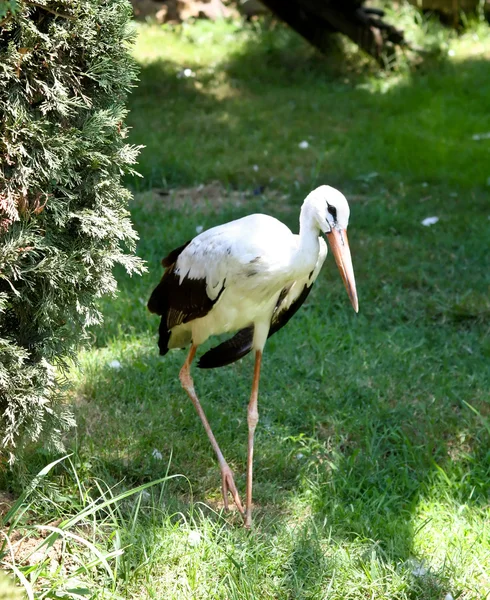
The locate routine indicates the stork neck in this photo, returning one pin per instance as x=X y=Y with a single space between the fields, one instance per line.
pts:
x=309 y=231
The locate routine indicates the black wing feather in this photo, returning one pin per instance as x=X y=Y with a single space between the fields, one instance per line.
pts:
x=229 y=351
x=172 y=257
x=241 y=343
x=280 y=318
x=178 y=302
x=158 y=300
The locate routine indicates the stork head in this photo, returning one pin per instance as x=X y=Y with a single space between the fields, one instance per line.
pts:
x=327 y=209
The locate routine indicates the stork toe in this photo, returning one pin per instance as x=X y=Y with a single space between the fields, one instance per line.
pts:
x=228 y=485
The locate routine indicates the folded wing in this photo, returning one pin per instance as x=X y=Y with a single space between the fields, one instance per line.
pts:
x=290 y=300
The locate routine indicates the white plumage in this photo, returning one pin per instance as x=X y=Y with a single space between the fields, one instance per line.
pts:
x=249 y=275
x=249 y=261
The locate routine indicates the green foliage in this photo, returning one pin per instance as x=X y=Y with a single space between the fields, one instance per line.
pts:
x=65 y=71
x=8 y=7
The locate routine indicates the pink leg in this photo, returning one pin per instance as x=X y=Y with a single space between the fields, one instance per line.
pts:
x=227 y=482
x=252 y=418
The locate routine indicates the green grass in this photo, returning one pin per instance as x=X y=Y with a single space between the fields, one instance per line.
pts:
x=372 y=471
x=256 y=95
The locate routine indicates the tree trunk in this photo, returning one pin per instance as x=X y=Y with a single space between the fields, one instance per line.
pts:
x=315 y=19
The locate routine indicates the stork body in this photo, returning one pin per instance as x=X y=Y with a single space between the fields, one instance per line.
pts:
x=250 y=275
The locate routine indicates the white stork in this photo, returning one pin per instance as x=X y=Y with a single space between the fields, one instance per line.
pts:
x=250 y=275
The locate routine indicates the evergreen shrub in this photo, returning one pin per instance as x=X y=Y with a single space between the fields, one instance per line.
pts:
x=65 y=71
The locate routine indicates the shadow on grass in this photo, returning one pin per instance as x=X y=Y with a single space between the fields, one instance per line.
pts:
x=356 y=464
x=361 y=419
x=244 y=126
x=315 y=565
x=361 y=447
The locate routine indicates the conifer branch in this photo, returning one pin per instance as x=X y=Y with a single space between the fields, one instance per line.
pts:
x=64 y=222
x=50 y=10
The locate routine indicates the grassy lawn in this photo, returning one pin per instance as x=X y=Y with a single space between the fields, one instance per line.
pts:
x=372 y=470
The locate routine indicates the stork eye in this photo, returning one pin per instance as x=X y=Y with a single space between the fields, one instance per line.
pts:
x=333 y=211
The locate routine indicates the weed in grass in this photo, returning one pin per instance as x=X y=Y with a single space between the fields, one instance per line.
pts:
x=83 y=546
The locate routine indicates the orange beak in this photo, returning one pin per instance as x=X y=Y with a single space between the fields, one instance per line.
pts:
x=340 y=247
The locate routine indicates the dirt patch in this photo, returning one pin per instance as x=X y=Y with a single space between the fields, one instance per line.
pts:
x=176 y=11
x=213 y=197
x=24 y=545
x=61 y=555
x=207 y=198
x=6 y=502
x=26 y=549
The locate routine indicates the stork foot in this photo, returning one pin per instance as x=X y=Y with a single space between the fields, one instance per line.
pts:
x=228 y=485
